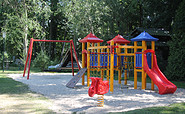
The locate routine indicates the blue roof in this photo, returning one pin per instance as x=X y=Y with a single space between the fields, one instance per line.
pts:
x=144 y=36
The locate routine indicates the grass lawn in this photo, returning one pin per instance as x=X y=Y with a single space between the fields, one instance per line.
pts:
x=177 y=108
x=15 y=97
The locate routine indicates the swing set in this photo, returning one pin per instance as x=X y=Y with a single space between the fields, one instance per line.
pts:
x=29 y=54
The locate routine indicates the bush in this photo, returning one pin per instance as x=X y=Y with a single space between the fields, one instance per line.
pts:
x=41 y=61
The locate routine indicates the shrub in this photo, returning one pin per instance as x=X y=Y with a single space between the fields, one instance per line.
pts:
x=41 y=61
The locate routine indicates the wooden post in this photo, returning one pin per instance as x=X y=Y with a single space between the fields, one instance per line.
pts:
x=118 y=64
x=102 y=70
x=83 y=63
x=135 y=72
x=88 y=65
x=125 y=60
x=108 y=67
x=143 y=72
x=112 y=67
x=153 y=48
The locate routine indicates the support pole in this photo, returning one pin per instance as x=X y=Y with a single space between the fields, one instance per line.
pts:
x=153 y=48
x=98 y=59
x=135 y=72
x=32 y=40
x=28 y=55
x=126 y=64
x=75 y=54
x=112 y=67
x=71 y=58
x=88 y=65
x=108 y=66
x=143 y=72
x=102 y=70
x=83 y=63
x=118 y=63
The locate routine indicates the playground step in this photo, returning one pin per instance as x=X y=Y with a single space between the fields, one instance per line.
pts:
x=76 y=78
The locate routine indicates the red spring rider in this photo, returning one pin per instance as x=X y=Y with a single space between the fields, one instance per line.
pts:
x=98 y=87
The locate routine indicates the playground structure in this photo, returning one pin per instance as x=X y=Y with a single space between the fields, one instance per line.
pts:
x=103 y=61
x=29 y=54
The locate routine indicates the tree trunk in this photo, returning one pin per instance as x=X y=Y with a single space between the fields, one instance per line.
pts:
x=25 y=33
x=53 y=27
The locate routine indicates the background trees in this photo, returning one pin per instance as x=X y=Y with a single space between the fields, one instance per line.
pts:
x=176 y=66
x=74 y=19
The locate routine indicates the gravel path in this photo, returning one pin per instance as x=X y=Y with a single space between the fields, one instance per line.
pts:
x=67 y=100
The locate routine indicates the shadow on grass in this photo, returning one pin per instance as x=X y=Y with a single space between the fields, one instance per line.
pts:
x=10 y=86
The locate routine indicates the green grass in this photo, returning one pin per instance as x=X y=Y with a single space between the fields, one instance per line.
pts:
x=9 y=86
x=28 y=101
x=177 y=108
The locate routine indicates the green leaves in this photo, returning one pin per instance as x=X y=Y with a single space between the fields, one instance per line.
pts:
x=22 y=21
x=176 y=64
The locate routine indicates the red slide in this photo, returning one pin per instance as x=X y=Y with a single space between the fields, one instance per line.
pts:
x=163 y=84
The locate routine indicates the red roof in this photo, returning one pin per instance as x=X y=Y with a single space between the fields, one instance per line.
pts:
x=119 y=39
x=91 y=38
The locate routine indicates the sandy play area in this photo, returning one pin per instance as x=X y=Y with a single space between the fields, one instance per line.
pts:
x=67 y=100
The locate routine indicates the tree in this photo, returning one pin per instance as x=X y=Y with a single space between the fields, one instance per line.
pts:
x=176 y=66
x=23 y=22
x=160 y=13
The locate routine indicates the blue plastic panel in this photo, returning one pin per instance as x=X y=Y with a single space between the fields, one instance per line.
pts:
x=93 y=59
x=149 y=59
x=139 y=60
x=103 y=59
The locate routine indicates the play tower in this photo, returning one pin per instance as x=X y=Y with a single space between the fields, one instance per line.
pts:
x=107 y=60
x=143 y=38
x=89 y=40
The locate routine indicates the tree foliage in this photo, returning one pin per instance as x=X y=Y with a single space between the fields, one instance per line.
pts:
x=22 y=21
x=176 y=66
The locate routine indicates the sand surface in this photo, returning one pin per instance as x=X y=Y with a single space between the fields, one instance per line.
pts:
x=67 y=100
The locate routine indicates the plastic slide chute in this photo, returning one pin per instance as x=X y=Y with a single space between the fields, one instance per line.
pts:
x=163 y=84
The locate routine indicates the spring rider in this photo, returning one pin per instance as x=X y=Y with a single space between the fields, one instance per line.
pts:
x=100 y=88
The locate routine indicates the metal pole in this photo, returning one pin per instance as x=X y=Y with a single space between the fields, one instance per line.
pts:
x=3 y=54
x=3 y=40
x=4 y=35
